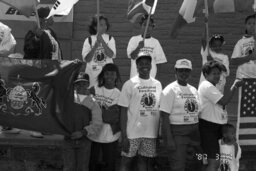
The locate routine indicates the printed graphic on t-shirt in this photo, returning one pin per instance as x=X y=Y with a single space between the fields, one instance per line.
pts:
x=148 y=100
x=247 y=48
x=104 y=101
x=99 y=58
x=225 y=161
x=191 y=107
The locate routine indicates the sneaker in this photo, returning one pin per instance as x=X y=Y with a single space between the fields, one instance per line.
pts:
x=9 y=130
x=36 y=134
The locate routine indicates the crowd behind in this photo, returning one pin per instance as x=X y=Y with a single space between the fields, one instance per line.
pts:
x=136 y=115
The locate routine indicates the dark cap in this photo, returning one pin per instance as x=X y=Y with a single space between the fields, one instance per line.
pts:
x=217 y=37
x=82 y=77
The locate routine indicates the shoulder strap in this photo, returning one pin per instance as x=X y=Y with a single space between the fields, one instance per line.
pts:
x=110 y=37
x=90 y=41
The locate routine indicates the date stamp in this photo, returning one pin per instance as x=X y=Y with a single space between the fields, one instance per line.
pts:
x=204 y=157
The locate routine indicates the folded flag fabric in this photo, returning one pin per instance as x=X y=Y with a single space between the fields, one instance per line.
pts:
x=62 y=7
x=38 y=94
x=246 y=121
x=190 y=8
x=25 y=7
x=137 y=8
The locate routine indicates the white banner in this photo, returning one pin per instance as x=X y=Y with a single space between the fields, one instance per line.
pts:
x=9 y=13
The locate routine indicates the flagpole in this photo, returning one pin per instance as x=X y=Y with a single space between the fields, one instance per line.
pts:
x=37 y=16
x=98 y=15
x=207 y=26
x=147 y=24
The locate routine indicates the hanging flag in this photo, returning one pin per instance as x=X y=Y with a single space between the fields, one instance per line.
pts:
x=38 y=95
x=246 y=122
x=137 y=8
x=62 y=7
x=25 y=7
x=190 y=8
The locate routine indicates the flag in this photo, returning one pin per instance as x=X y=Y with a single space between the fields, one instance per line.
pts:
x=25 y=7
x=137 y=8
x=38 y=95
x=190 y=8
x=246 y=122
x=62 y=7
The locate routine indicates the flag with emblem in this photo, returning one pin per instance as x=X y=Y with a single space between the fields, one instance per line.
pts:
x=25 y=7
x=246 y=122
x=137 y=8
x=38 y=94
x=62 y=7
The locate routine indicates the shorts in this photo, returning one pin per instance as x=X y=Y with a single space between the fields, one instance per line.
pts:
x=210 y=134
x=143 y=146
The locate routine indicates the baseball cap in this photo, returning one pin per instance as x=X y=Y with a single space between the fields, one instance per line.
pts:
x=82 y=77
x=43 y=12
x=217 y=37
x=183 y=63
x=143 y=54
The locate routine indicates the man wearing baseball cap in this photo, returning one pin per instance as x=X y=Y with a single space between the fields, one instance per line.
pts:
x=139 y=100
x=179 y=106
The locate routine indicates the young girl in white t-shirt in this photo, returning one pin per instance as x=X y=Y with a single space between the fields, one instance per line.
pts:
x=215 y=49
x=230 y=151
x=150 y=45
x=98 y=49
x=244 y=54
x=107 y=96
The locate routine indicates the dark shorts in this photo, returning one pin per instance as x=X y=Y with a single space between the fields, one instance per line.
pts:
x=210 y=134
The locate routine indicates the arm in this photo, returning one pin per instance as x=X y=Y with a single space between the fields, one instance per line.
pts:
x=134 y=53
x=88 y=52
x=123 y=122
x=45 y=47
x=230 y=93
x=108 y=51
x=166 y=131
x=241 y=60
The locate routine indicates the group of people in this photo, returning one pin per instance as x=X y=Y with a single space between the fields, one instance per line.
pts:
x=134 y=115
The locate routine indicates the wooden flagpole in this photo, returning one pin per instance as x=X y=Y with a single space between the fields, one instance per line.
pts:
x=37 y=16
x=98 y=15
x=207 y=26
x=147 y=24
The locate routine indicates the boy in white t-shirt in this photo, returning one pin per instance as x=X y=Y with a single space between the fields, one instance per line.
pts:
x=139 y=100
x=230 y=151
x=150 y=45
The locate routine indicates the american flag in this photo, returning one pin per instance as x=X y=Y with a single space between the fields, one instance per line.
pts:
x=246 y=124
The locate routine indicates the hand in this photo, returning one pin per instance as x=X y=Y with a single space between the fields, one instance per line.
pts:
x=100 y=38
x=39 y=32
x=76 y=135
x=209 y=58
x=125 y=144
x=238 y=83
x=140 y=45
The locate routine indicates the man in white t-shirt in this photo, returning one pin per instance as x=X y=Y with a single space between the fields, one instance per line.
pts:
x=150 y=45
x=7 y=41
x=139 y=100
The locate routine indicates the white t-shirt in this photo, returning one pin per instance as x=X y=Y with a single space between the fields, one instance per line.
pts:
x=223 y=59
x=228 y=160
x=106 y=97
x=209 y=95
x=242 y=48
x=181 y=102
x=94 y=67
x=142 y=98
x=152 y=46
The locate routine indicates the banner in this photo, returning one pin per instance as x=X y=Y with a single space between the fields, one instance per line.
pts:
x=246 y=122
x=9 y=13
x=38 y=95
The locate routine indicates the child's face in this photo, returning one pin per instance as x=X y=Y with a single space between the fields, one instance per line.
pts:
x=216 y=46
x=102 y=26
x=82 y=87
x=230 y=135
x=250 y=26
x=110 y=77
x=144 y=67
x=150 y=28
x=213 y=76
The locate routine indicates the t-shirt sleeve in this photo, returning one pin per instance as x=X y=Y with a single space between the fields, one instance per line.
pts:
x=112 y=46
x=86 y=48
x=125 y=95
x=132 y=45
x=160 y=56
x=212 y=94
x=166 y=100
x=237 y=52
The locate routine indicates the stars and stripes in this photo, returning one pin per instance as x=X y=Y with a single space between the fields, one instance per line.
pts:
x=247 y=113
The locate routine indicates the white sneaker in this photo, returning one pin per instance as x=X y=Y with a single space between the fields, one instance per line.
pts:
x=11 y=130
x=36 y=134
